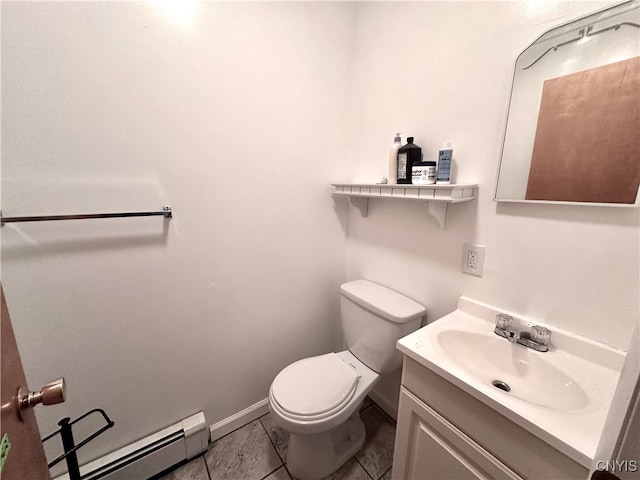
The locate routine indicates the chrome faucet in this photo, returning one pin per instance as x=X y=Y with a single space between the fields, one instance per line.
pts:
x=518 y=331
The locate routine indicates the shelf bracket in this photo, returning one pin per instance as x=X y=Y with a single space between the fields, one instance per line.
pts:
x=438 y=210
x=437 y=197
x=362 y=204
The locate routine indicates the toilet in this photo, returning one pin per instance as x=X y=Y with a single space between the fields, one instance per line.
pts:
x=316 y=399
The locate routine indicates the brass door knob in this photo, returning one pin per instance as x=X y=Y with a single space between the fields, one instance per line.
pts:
x=52 y=393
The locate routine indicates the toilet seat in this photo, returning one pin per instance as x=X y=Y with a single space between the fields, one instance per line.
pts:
x=314 y=388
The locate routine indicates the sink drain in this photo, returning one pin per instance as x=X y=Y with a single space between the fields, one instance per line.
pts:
x=501 y=385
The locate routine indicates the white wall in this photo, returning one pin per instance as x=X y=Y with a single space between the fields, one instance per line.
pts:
x=241 y=122
x=441 y=71
x=236 y=119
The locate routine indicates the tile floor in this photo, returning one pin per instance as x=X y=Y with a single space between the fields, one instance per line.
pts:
x=258 y=451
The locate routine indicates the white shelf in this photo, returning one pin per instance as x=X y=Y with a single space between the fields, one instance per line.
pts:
x=437 y=197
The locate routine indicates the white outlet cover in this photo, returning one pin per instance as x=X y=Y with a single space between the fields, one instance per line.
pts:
x=467 y=250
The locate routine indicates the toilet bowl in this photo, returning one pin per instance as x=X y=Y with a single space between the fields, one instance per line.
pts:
x=317 y=399
x=316 y=394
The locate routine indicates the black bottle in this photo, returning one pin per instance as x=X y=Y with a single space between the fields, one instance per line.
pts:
x=407 y=154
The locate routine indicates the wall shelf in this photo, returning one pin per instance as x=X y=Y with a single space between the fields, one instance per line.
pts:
x=437 y=197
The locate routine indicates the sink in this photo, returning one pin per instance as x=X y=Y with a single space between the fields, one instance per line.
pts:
x=562 y=396
x=552 y=380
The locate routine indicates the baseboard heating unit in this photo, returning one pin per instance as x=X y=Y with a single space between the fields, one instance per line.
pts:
x=151 y=455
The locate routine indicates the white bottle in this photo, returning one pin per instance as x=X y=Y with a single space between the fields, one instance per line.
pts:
x=392 y=176
x=445 y=155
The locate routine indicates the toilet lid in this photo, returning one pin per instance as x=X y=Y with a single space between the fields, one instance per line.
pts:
x=313 y=386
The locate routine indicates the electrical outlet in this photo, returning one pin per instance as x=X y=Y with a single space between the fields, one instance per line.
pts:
x=473 y=259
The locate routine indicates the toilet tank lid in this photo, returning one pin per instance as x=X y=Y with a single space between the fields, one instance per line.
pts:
x=382 y=301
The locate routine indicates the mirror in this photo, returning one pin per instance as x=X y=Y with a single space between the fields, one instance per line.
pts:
x=573 y=126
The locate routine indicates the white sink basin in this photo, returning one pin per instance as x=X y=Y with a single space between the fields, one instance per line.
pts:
x=562 y=396
x=550 y=379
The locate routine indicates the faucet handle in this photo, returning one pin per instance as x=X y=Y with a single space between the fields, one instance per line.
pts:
x=504 y=321
x=540 y=335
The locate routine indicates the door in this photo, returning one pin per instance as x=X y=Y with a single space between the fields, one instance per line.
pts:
x=26 y=458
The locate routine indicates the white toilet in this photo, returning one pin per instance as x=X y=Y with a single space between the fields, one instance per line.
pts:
x=316 y=399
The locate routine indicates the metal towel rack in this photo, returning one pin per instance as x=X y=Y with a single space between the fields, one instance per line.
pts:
x=165 y=212
x=70 y=447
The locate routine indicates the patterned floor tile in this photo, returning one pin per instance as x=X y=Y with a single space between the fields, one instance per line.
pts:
x=376 y=456
x=193 y=470
x=278 y=436
x=351 y=470
x=387 y=476
x=280 y=474
x=246 y=454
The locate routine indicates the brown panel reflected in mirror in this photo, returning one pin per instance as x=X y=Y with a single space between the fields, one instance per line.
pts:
x=587 y=142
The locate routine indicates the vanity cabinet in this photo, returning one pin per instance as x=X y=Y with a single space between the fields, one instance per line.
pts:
x=445 y=433
x=433 y=448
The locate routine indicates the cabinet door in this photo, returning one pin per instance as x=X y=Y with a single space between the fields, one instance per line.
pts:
x=430 y=448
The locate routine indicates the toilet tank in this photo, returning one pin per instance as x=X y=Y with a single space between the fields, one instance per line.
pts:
x=374 y=318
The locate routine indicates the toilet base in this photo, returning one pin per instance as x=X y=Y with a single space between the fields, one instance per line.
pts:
x=312 y=457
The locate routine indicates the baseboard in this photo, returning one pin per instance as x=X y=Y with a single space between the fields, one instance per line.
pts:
x=235 y=421
x=390 y=408
x=151 y=455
